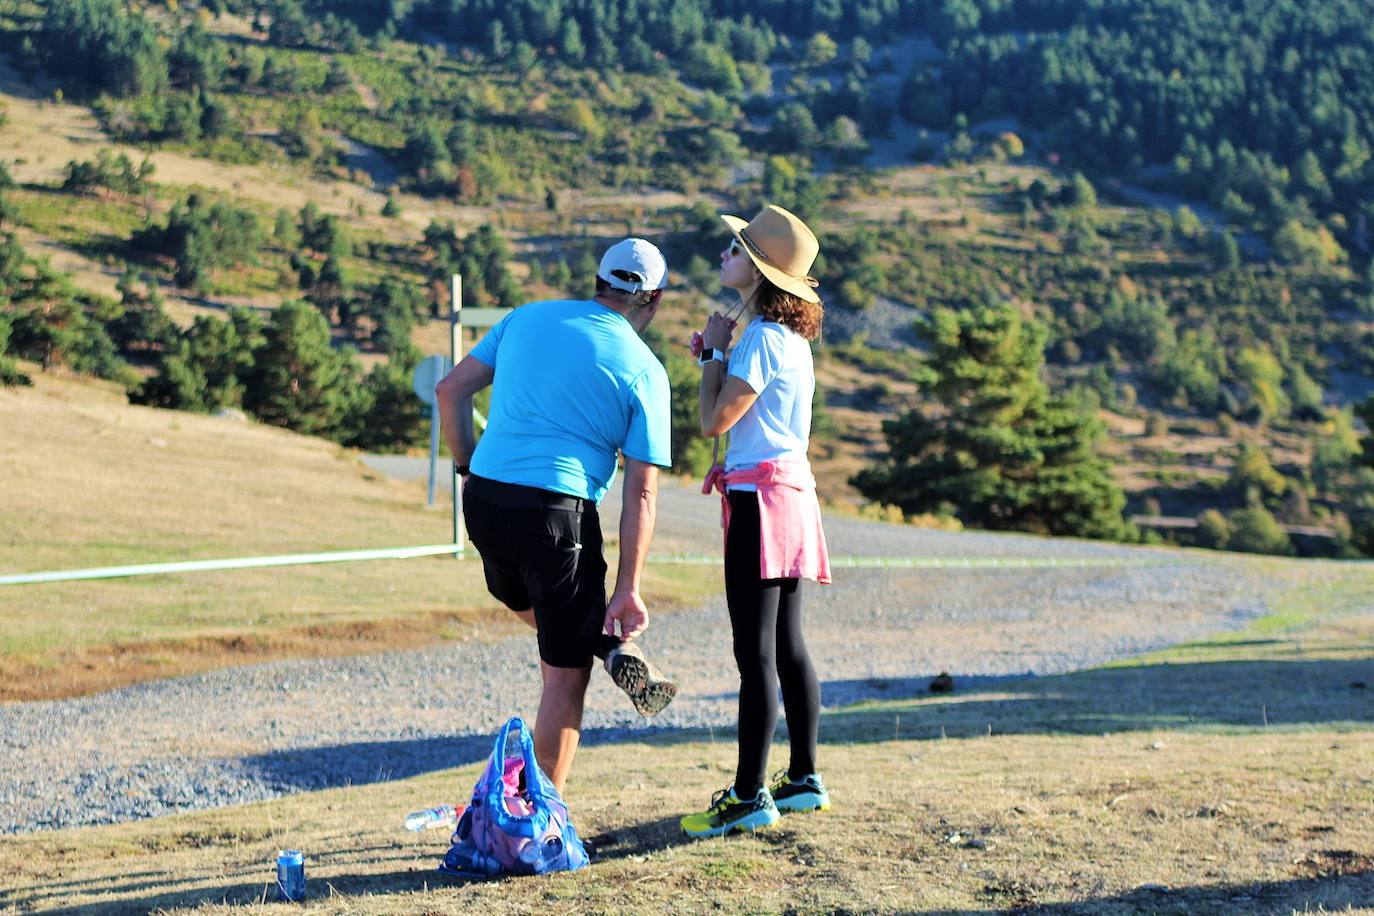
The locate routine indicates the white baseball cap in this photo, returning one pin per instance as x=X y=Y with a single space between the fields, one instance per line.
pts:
x=639 y=263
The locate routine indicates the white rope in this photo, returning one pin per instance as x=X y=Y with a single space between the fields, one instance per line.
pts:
x=406 y=553
x=950 y=562
x=290 y=559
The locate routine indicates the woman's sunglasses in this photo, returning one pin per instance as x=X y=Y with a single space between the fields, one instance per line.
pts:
x=735 y=249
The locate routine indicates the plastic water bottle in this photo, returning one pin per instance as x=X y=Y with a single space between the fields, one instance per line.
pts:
x=536 y=852
x=433 y=818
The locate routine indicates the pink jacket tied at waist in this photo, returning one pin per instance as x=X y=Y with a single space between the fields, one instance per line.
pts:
x=793 y=541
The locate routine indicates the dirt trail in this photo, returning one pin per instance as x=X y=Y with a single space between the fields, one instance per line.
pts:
x=93 y=669
x=366 y=93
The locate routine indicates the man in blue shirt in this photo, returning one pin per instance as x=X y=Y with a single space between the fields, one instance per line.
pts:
x=573 y=386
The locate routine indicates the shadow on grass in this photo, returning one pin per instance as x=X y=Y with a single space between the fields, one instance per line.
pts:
x=174 y=892
x=1214 y=695
x=1328 y=893
x=241 y=893
x=365 y=763
x=637 y=840
x=1348 y=883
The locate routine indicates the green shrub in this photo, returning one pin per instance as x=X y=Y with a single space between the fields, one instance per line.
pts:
x=1255 y=530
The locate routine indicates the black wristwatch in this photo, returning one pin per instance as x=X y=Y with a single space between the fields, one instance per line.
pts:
x=462 y=470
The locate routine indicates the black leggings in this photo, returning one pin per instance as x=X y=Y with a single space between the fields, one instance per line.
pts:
x=765 y=618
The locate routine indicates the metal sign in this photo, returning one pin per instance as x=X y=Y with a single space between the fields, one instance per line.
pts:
x=459 y=318
x=427 y=375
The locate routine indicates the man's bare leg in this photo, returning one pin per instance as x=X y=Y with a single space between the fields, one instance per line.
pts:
x=558 y=729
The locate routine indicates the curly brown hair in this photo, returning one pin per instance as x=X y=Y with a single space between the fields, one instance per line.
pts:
x=788 y=310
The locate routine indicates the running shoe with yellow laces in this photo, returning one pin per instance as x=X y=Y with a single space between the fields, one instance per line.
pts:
x=805 y=794
x=731 y=814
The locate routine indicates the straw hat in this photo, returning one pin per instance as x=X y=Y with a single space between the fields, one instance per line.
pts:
x=781 y=247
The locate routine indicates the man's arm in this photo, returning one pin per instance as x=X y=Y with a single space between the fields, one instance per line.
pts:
x=638 y=506
x=454 y=393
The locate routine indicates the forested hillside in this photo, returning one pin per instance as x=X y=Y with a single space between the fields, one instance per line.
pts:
x=1088 y=261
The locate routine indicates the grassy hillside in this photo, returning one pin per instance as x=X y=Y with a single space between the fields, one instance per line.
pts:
x=1222 y=367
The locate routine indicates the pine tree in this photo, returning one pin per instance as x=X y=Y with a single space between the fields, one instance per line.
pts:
x=1080 y=192
x=1255 y=530
x=50 y=324
x=9 y=370
x=204 y=370
x=201 y=237
x=570 y=45
x=1225 y=250
x=393 y=308
x=298 y=381
x=179 y=383
x=330 y=293
x=794 y=129
x=994 y=448
x=1364 y=411
x=389 y=417
x=141 y=324
x=1366 y=302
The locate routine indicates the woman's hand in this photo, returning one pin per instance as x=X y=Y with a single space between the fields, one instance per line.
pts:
x=720 y=330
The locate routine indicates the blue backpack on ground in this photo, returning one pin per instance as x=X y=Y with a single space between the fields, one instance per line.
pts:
x=517 y=823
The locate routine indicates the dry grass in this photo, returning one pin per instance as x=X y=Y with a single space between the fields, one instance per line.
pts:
x=92 y=481
x=1139 y=789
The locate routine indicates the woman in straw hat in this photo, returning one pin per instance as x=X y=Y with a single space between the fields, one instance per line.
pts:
x=761 y=395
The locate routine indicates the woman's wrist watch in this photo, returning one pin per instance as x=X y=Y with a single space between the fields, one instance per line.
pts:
x=710 y=355
x=461 y=470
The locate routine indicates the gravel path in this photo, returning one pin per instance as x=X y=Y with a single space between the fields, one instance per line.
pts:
x=257 y=732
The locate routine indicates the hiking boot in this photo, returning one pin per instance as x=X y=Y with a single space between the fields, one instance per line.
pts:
x=806 y=794
x=645 y=685
x=729 y=814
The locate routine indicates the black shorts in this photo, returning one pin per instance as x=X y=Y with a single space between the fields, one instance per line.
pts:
x=542 y=550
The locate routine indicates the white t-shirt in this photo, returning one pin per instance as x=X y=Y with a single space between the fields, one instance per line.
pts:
x=774 y=361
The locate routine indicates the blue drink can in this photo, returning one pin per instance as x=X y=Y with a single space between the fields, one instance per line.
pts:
x=290 y=875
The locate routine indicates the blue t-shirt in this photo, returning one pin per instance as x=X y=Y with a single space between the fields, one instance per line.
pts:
x=574 y=385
